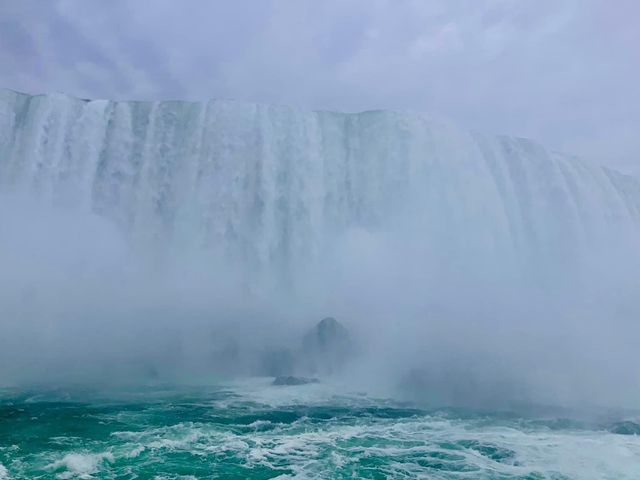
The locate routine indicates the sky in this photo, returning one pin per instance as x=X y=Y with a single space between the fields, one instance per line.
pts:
x=564 y=72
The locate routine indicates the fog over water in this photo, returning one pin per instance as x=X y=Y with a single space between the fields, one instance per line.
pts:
x=138 y=240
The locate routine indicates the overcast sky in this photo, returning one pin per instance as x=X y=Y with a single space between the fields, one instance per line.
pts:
x=566 y=72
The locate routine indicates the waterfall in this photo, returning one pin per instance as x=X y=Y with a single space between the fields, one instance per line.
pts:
x=153 y=233
x=271 y=186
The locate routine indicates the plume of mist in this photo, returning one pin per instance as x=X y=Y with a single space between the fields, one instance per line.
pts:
x=79 y=304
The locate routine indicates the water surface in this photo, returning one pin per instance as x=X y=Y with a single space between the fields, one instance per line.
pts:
x=251 y=429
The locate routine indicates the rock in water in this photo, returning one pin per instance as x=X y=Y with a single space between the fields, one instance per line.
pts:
x=326 y=334
x=327 y=346
x=291 y=380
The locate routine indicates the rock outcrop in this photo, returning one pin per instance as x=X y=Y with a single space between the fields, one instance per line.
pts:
x=290 y=380
x=327 y=347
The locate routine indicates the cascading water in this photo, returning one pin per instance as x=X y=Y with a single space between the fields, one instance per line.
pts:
x=158 y=254
x=270 y=187
x=429 y=232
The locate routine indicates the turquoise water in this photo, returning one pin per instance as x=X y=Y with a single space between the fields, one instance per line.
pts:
x=251 y=429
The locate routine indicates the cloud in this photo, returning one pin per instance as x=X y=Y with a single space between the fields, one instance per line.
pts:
x=566 y=72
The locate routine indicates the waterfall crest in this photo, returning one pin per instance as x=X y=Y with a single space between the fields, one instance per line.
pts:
x=271 y=186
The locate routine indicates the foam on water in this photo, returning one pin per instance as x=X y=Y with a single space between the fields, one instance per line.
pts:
x=80 y=465
x=341 y=436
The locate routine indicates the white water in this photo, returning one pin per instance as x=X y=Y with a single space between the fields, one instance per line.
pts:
x=448 y=243
x=272 y=186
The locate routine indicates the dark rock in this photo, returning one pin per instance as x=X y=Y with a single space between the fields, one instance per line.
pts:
x=291 y=380
x=327 y=346
x=326 y=335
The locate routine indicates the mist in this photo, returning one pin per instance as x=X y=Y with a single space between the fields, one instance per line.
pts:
x=143 y=242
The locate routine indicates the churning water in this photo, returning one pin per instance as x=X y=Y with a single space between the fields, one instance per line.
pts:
x=252 y=429
x=149 y=242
